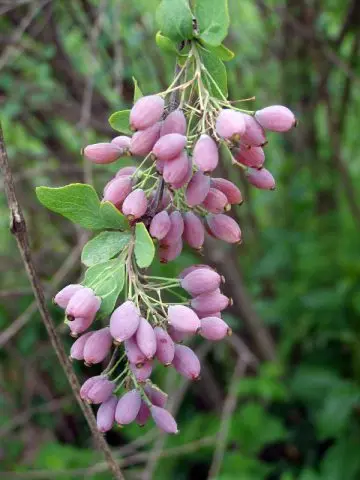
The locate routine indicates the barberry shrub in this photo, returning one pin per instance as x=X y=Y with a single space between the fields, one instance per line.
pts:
x=169 y=197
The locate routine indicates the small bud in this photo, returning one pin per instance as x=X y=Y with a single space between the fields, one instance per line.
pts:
x=230 y=124
x=168 y=253
x=223 y=227
x=117 y=190
x=206 y=154
x=249 y=156
x=213 y=328
x=169 y=146
x=143 y=141
x=101 y=390
x=142 y=372
x=215 y=201
x=143 y=415
x=155 y=395
x=128 y=407
x=261 y=178
x=194 y=232
x=124 y=321
x=135 y=204
x=177 y=169
x=77 y=348
x=122 y=142
x=197 y=189
x=146 y=111
x=176 y=228
x=98 y=346
x=201 y=281
x=145 y=338
x=83 y=304
x=103 y=152
x=62 y=298
x=183 y=318
x=192 y=268
x=164 y=420
x=165 y=348
x=133 y=352
x=126 y=171
x=229 y=189
x=175 y=122
x=276 y=118
x=105 y=416
x=186 y=362
x=79 y=325
x=210 y=302
x=254 y=133
x=160 y=225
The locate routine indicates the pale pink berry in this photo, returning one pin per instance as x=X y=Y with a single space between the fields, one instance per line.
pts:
x=77 y=348
x=98 y=346
x=160 y=225
x=194 y=232
x=201 y=281
x=249 y=156
x=128 y=407
x=276 y=118
x=79 y=325
x=183 y=318
x=165 y=348
x=210 y=302
x=176 y=335
x=206 y=154
x=103 y=152
x=135 y=204
x=126 y=171
x=186 y=362
x=197 y=189
x=254 y=133
x=177 y=169
x=212 y=314
x=142 y=142
x=142 y=372
x=166 y=199
x=215 y=201
x=223 y=227
x=143 y=415
x=117 y=190
x=230 y=124
x=85 y=387
x=163 y=419
x=260 y=178
x=146 y=339
x=62 y=298
x=84 y=303
x=185 y=179
x=213 y=328
x=229 y=189
x=105 y=416
x=122 y=142
x=192 y=268
x=176 y=228
x=124 y=321
x=146 y=111
x=175 y=122
x=133 y=352
x=101 y=390
x=155 y=395
x=169 y=146
x=168 y=253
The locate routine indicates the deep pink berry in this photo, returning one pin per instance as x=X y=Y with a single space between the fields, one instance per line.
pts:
x=135 y=204
x=143 y=141
x=176 y=228
x=165 y=348
x=249 y=156
x=229 y=189
x=215 y=201
x=146 y=111
x=254 y=133
x=117 y=190
x=168 y=253
x=177 y=169
x=260 y=178
x=197 y=189
x=206 y=154
x=169 y=146
x=133 y=352
x=160 y=225
x=224 y=227
x=186 y=362
x=194 y=232
x=201 y=281
x=103 y=152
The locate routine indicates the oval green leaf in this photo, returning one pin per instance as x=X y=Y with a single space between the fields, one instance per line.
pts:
x=120 y=121
x=144 y=246
x=104 y=247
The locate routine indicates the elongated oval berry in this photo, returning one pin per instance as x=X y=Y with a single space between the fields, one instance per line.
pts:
x=185 y=179
x=105 y=416
x=135 y=204
x=168 y=253
x=175 y=122
x=213 y=328
x=155 y=395
x=230 y=124
x=197 y=189
x=229 y=189
x=163 y=419
x=177 y=169
x=276 y=118
x=176 y=228
x=146 y=111
x=143 y=141
x=117 y=190
x=169 y=146
x=224 y=227
x=79 y=325
x=186 y=362
x=142 y=372
x=98 y=346
x=206 y=154
x=212 y=314
x=165 y=348
x=201 y=281
x=128 y=407
x=215 y=201
x=143 y=415
x=77 y=348
x=194 y=232
x=176 y=335
x=210 y=302
x=190 y=269
x=183 y=318
x=254 y=133
x=160 y=225
x=249 y=156
x=103 y=152
x=122 y=142
x=133 y=352
x=124 y=321
x=101 y=390
x=84 y=303
x=85 y=387
x=126 y=171
x=260 y=178
x=62 y=298
x=145 y=338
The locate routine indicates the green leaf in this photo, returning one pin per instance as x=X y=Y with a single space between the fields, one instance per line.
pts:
x=104 y=247
x=120 y=121
x=107 y=281
x=165 y=44
x=213 y=20
x=216 y=76
x=175 y=19
x=221 y=51
x=225 y=154
x=144 y=246
x=80 y=203
x=137 y=92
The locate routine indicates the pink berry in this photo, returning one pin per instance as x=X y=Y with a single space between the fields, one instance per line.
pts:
x=186 y=362
x=163 y=419
x=103 y=152
x=197 y=189
x=215 y=201
x=126 y=171
x=143 y=415
x=146 y=111
x=128 y=407
x=143 y=141
x=146 y=339
x=165 y=348
x=261 y=178
x=77 y=348
x=122 y=142
x=183 y=318
x=176 y=335
x=84 y=303
x=105 y=416
x=124 y=321
x=117 y=190
x=176 y=228
x=213 y=328
x=142 y=372
x=79 y=325
x=85 y=387
x=206 y=154
x=62 y=298
x=210 y=302
x=101 y=390
x=230 y=124
x=194 y=232
x=168 y=253
x=98 y=346
x=223 y=227
x=212 y=314
x=276 y=118
x=160 y=225
x=249 y=156
x=155 y=395
x=175 y=122
x=169 y=146
x=201 y=281
x=192 y=268
x=133 y=352
x=254 y=133
x=135 y=204
x=229 y=189
x=177 y=169
x=185 y=179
